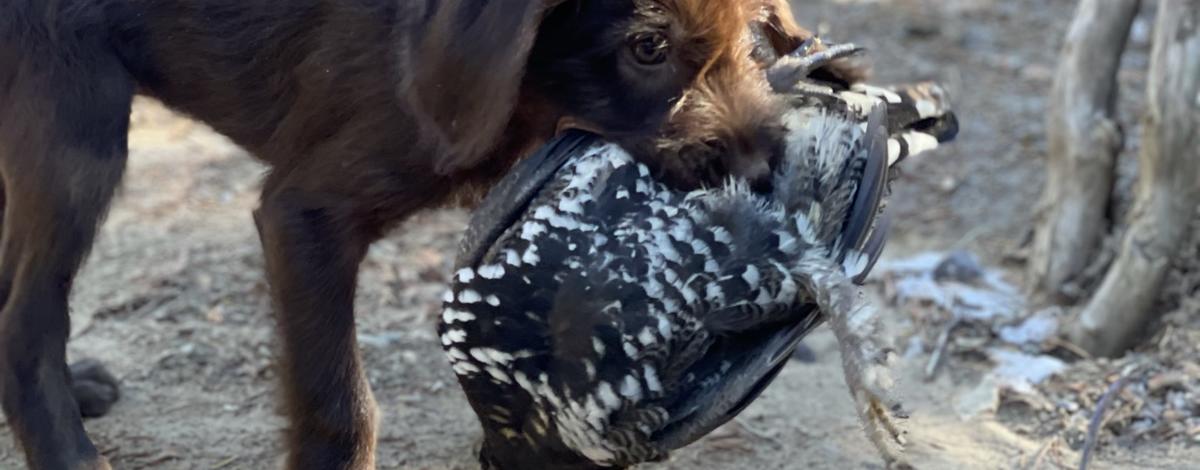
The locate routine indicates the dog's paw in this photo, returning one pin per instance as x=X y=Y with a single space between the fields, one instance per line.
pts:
x=94 y=387
x=100 y=463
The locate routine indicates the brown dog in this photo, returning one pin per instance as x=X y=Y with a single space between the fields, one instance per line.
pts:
x=366 y=110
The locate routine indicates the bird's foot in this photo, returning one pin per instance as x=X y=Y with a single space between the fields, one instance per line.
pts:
x=785 y=73
x=878 y=407
x=866 y=361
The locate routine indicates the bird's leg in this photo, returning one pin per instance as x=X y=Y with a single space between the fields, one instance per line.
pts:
x=865 y=357
x=786 y=72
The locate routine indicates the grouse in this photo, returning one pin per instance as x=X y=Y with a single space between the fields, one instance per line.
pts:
x=600 y=319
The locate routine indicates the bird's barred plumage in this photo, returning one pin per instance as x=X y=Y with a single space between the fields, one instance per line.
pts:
x=600 y=319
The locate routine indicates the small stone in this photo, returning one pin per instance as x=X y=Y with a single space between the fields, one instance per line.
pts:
x=959 y=266
x=923 y=28
x=216 y=314
x=948 y=184
x=984 y=398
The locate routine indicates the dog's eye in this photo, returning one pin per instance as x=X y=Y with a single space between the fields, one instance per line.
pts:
x=714 y=143
x=650 y=49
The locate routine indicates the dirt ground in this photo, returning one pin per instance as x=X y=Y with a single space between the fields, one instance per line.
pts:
x=173 y=298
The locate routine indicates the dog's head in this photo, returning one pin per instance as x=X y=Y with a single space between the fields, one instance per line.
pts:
x=680 y=83
x=725 y=125
x=619 y=66
x=615 y=66
x=727 y=122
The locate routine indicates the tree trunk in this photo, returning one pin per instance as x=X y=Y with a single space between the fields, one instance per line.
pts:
x=1083 y=143
x=1167 y=191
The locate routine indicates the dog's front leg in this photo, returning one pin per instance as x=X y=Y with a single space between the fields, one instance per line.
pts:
x=313 y=243
x=312 y=254
x=316 y=221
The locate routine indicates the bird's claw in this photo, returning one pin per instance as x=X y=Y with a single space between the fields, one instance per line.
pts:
x=893 y=456
x=806 y=47
x=878 y=408
x=785 y=73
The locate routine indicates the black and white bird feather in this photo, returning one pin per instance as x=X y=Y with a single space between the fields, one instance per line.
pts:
x=599 y=319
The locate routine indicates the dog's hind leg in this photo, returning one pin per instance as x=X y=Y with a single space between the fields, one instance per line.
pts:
x=64 y=119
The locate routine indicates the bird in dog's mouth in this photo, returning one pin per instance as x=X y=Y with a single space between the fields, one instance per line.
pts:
x=600 y=318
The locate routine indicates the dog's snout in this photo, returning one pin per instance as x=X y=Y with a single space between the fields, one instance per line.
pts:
x=754 y=165
x=760 y=181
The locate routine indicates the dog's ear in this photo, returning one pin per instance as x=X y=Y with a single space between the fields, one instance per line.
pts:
x=467 y=64
x=782 y=32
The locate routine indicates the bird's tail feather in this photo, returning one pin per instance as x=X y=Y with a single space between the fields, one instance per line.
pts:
x=860 y=220
x=919 y=117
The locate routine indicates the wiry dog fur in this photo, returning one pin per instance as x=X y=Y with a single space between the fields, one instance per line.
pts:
x=727 y=123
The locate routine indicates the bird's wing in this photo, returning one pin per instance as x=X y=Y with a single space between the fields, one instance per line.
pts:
x=754 y=339
x=509 y=198
x=860 y=219
x=740 y=368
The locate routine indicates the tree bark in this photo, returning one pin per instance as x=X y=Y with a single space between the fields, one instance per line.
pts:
x=1167 y=190
x=1083 y=143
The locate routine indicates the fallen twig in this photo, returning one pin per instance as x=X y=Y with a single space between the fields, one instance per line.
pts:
x=1040 y=454
x=160 y=458
x=935 y=360
x=1070 y=347
x=1098 y=418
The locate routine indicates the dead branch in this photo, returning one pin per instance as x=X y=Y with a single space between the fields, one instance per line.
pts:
x=1167 y=190
x=1097 y=420
x=935 y=359
x=1083 y=142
